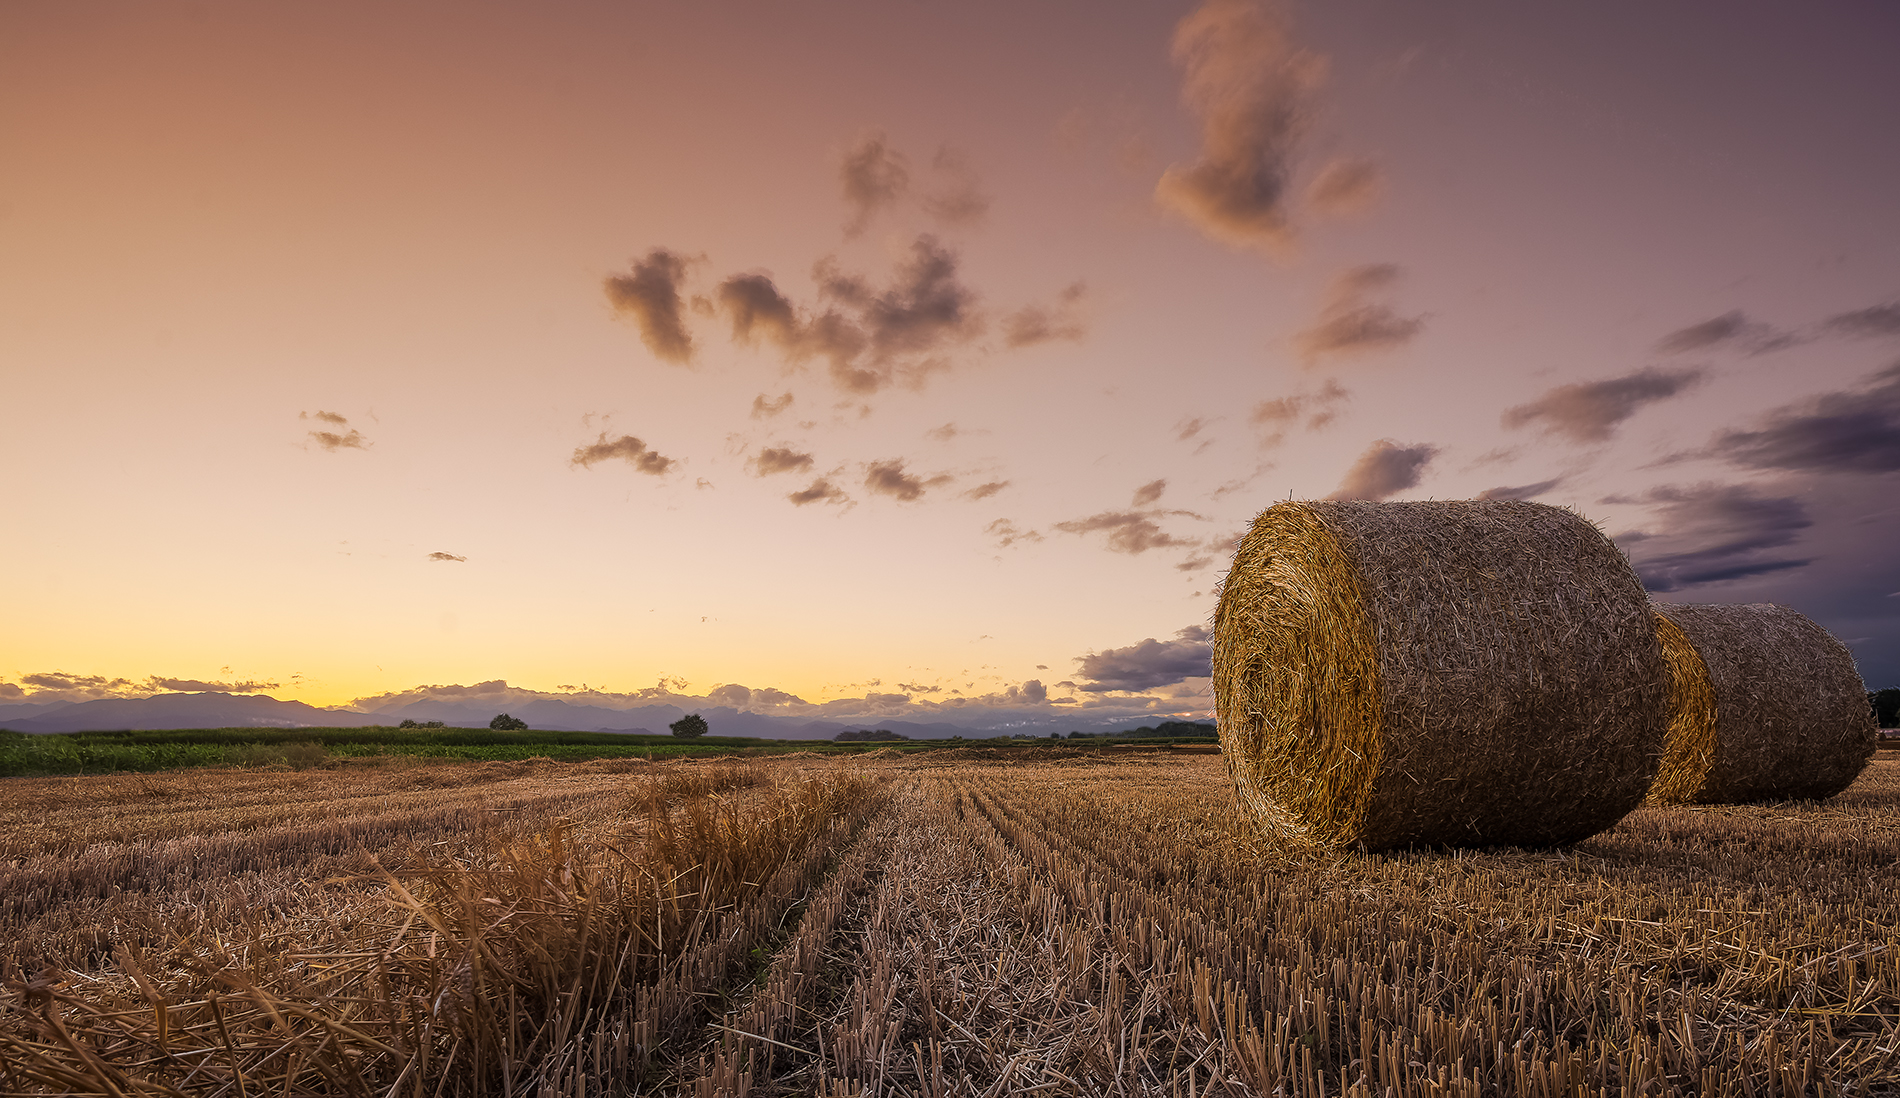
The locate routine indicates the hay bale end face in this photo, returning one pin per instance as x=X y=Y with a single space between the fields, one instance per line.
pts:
x=1764 y=705
x=1442 y=673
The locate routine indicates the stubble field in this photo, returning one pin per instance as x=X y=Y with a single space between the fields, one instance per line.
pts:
x=1046 y=922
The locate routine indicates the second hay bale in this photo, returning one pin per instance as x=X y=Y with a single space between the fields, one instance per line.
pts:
x=1765 y=704
x=1439 y=673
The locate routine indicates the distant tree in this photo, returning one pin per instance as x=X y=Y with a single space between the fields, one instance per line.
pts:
x=867 y=736
x=505 y=723
x=425 y=724
x=689 y=726
x=1886 y=706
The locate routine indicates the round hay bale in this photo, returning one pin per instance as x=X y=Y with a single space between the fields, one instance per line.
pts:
x=1445 y=673
x=1764 y=705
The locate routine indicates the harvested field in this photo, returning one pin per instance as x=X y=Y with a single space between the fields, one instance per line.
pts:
x=1103 y=924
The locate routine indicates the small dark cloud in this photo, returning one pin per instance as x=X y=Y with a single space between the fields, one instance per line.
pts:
x=1132 y=532
x=1877 y=320
x=1844 y=432
x=329 y=417
x=1276 y=417
x=1346 y=187
x=1731 y=329
x=1712 y=533
x=1350 y=324
x=63 y=681
x=986 y=490
x=331 y=440
x=1007 y=533
x=651 y=296
x=625 y=448
x=888 y=478
x=758 y=310
x=874 y=176
x=1188 y=428
x=1150 y=664
x=1035 y=324
x=766 y=409
x=447 y=556
x=902 y=329
x=1591 y=411
x=1522 y=491
x=944 y=433
x=820 y=491
x=1385 y=469
x=1149 y=492
x=1249 y=83
x=780 y=459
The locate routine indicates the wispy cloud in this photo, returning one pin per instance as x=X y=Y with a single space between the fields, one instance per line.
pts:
x=625 y=448
x=651 y=295
x=1033 y=324
x=1346 y=187
x=447 y=557
x=1007 y=533
x=766 y=409
x=1876 y=320
x=959 y=200
x=819 y=491
x=351 y=439
x=874 y=176
x=779 y=459
x=1711 y=533
x=1385 y=469
x=1149 y=492
x=986 y=489
x=1351 y=323
x=1276 y=417
x=1590 y=411
x=1730 y=330
x=1844 y=432
x=1133 y=532
x=1249 y=83
x=1522 y=491
x=888 y=478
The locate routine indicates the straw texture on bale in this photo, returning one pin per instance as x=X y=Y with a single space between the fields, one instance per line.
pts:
x=1764 y=705
x=1444 y=673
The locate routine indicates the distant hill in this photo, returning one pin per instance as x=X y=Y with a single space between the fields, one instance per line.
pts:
x=208 y=710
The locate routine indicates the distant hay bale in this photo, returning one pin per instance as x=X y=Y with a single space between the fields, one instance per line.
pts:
x=1446 y=673
x=1764 y=704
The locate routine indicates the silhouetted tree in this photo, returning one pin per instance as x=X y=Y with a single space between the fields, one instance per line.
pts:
x=689 y=726
x=505 y=723
x=1886 y=706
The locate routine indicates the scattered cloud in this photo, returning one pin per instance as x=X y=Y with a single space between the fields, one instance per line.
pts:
x=766 y=409
x=1590 y=411
x=944 y=433
x=779 y=459
x=986 y=489
x=447 y=557
x=1033 y=324
x=888 y=478
x=1346 y=187
x=757 y=309
x=1149 y=492
x=61 y=686
x=874 y=176
x=1713 y=533
x=1188 y=428
x=1877 y=320
x=1149 y=665
x=625 y=448
x=1277 y=416
x=1007 y=533
x=1841 y=432
x=1522 y=491
x=1352 y=324
x=1731 y=329
x=1132 y=532
x=335 y=440
x=201 y=686
x=651 y=296
x=820 y=491
x=1385 y=469
x=960 y=201
x=1249 y=83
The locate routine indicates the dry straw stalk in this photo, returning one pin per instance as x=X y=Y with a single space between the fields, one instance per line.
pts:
x=1764 y=705
x=1441 y=673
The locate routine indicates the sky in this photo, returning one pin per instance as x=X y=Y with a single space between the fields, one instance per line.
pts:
x=870 y=360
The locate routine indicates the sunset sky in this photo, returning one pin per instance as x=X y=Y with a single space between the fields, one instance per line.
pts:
x=903 y=359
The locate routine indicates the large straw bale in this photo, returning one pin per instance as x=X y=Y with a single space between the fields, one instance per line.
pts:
x=1764 y=705
x=1445 y=673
